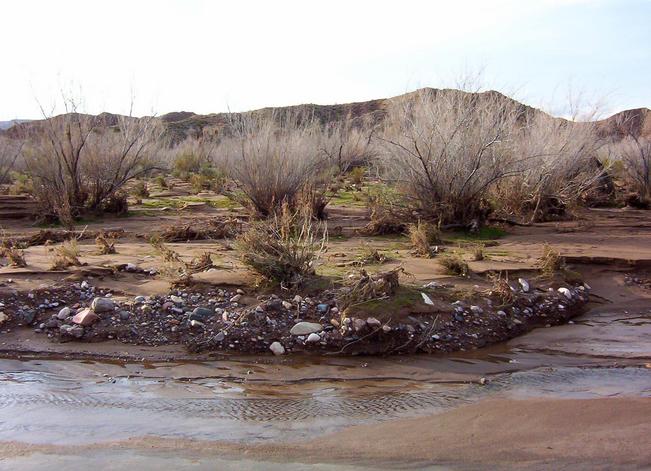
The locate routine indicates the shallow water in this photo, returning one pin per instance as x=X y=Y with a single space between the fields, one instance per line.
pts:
x=78 y=402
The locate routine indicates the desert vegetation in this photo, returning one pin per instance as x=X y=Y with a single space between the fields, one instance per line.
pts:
x=79 y=163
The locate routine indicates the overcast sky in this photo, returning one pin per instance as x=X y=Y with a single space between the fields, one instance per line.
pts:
x=209 y=56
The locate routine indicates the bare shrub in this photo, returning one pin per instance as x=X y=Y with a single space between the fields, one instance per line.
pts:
x=78 y=161
x=284 y=248
x=446 y=148
x=635 y=154
x=272 y=159
x=348 y=145
x=561 y=166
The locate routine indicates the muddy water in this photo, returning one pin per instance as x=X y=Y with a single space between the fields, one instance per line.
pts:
x=602 y=354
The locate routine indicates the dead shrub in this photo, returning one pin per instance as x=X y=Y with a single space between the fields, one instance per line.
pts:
x=363 y=287
x=273 y=157
x=65 y=255
x=14 y=255
x=284 y=248
x=105 y=244
x=370 y=256
x=77 y=160
x=357 y=175
x=550 y=262
x=422 y=236
x=220 y=228
x=478 y=252
x=501 y=288
x=454 y=264
x=140 y=189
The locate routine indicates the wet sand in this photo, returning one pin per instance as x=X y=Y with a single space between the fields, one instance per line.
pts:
x=506 y=434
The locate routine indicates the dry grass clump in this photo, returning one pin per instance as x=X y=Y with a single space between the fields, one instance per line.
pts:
x=363 y=288
x=65 y=255
x=550 y=262
x=14 y=255
x=422 y=236
x=454 y=265
x=140 y=189
x=478 y=252
x=369 y=255
x=284 y=248
x=105 y=244
x=501 y=288
x=357 y=175
x=202 y=263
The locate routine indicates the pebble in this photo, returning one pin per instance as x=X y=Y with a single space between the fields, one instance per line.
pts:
x=277 y=348
x=305 y=328
x=85 y=317
x=236 y=298
x=100 y=305
x=524 y=284
x=287 y=305
x=373 y=322
x=64 y=313
x=565 y=292
x=313 y=338
x=359 y=324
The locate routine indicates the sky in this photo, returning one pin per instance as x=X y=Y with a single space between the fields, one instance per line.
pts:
x=212 y=56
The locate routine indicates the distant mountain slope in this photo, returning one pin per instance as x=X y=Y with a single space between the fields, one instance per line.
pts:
x=182 y=124
x=7 y=124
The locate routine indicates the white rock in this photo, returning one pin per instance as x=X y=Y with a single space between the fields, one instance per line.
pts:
x=565 y=292
x=236 y=298
x=277 y=348
x=287 y=305
x=427 y=299
x=130 y=267
x=306 y=328
x=176 y=299
x=524 y=284
x=313 y=338
x=84 y=285
x=476 y=309
x=386 y=329
x=298 y=299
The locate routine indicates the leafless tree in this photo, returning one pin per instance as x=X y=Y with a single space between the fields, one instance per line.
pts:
x=272 y=158
x=560 y=167
x=446 y=148
x=347 y=144
x=77 y=160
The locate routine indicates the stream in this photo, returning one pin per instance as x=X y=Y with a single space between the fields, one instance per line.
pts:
x=61 y=402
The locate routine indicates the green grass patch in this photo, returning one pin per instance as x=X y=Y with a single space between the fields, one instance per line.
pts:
x=405 y=297
x=485 y=233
